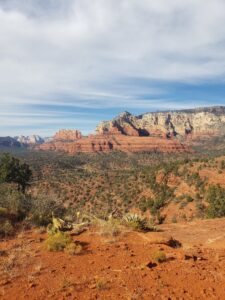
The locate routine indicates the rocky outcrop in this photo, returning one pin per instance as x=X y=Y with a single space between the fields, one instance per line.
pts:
x=67 y=135
x=192 y=123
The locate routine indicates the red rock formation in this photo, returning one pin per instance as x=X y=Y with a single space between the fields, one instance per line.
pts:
x=112 y=130
x=129 y=130
x=119 y=142
x=115 y=129
x=67 y=135
x=194 y=123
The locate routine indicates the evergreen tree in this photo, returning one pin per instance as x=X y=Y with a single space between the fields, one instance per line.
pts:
x=13 y=171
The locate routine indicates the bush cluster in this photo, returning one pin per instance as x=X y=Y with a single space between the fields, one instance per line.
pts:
x=216 y=200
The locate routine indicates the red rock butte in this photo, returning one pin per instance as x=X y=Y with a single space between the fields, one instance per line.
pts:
x=112 y=140
x=67 y=135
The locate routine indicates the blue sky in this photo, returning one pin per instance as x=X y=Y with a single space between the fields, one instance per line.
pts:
x=73 y=63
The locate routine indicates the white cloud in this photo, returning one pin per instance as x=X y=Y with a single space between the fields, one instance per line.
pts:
x=86 y=49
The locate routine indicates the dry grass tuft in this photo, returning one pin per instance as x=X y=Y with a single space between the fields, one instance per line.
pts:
x=58 y=241
x=100 y=283
x=159 y=256
x=108 y=228
x=73 y=248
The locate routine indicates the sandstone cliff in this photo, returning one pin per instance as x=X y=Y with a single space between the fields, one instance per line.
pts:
x=67 y=135
x=152 y=132
x=106 y=143
x=185 y=123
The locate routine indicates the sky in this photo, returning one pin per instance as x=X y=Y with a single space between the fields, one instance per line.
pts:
x=73 y=63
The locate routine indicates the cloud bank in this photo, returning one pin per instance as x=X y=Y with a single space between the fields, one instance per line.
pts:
x=105 y=54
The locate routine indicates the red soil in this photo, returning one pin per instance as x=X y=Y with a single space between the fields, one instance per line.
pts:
x=213 y=176
x=122 y=268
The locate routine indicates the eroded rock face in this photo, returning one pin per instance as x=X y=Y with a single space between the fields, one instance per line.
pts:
x=120 y=142
x=195 y=123
x=153 y=132
x=67 y=135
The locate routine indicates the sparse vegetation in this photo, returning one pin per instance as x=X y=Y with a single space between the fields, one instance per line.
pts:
x=159 y=256
x=112 y=195
x=58 y=241
x=97 y=184
x=6 y=228
x=108 y=228
x=100 y=283
x=216 y=199
x=73 y=248
x=137 y=222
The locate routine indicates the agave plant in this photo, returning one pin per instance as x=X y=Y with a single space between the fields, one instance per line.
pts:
x=136 y=222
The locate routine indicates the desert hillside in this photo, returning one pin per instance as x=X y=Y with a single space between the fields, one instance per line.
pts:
x=112 y=150
x=112 y=224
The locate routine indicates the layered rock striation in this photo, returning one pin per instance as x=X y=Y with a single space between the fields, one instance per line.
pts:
x=185 y=123
x=67 y=135
x=119 y=142
x=150 y=132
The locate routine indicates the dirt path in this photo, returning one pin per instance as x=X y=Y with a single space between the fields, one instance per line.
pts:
x=204 y=233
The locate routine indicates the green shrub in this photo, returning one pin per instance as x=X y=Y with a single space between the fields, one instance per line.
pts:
x=14 y=201
x=216 y=199
x=3 y=212
x=189 y=198
x=12 y=170
x=42 y=209
x=136 y=222
x=145 y=204
x=58 y=241
x=6 y=228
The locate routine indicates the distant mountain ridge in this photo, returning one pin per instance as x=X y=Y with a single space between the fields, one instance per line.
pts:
x=218 y=110
x=9 y=142
x=29 y=140
x=166 y=131
x=21 y=141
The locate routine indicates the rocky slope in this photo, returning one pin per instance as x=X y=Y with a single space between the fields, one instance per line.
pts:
x=201 y=122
